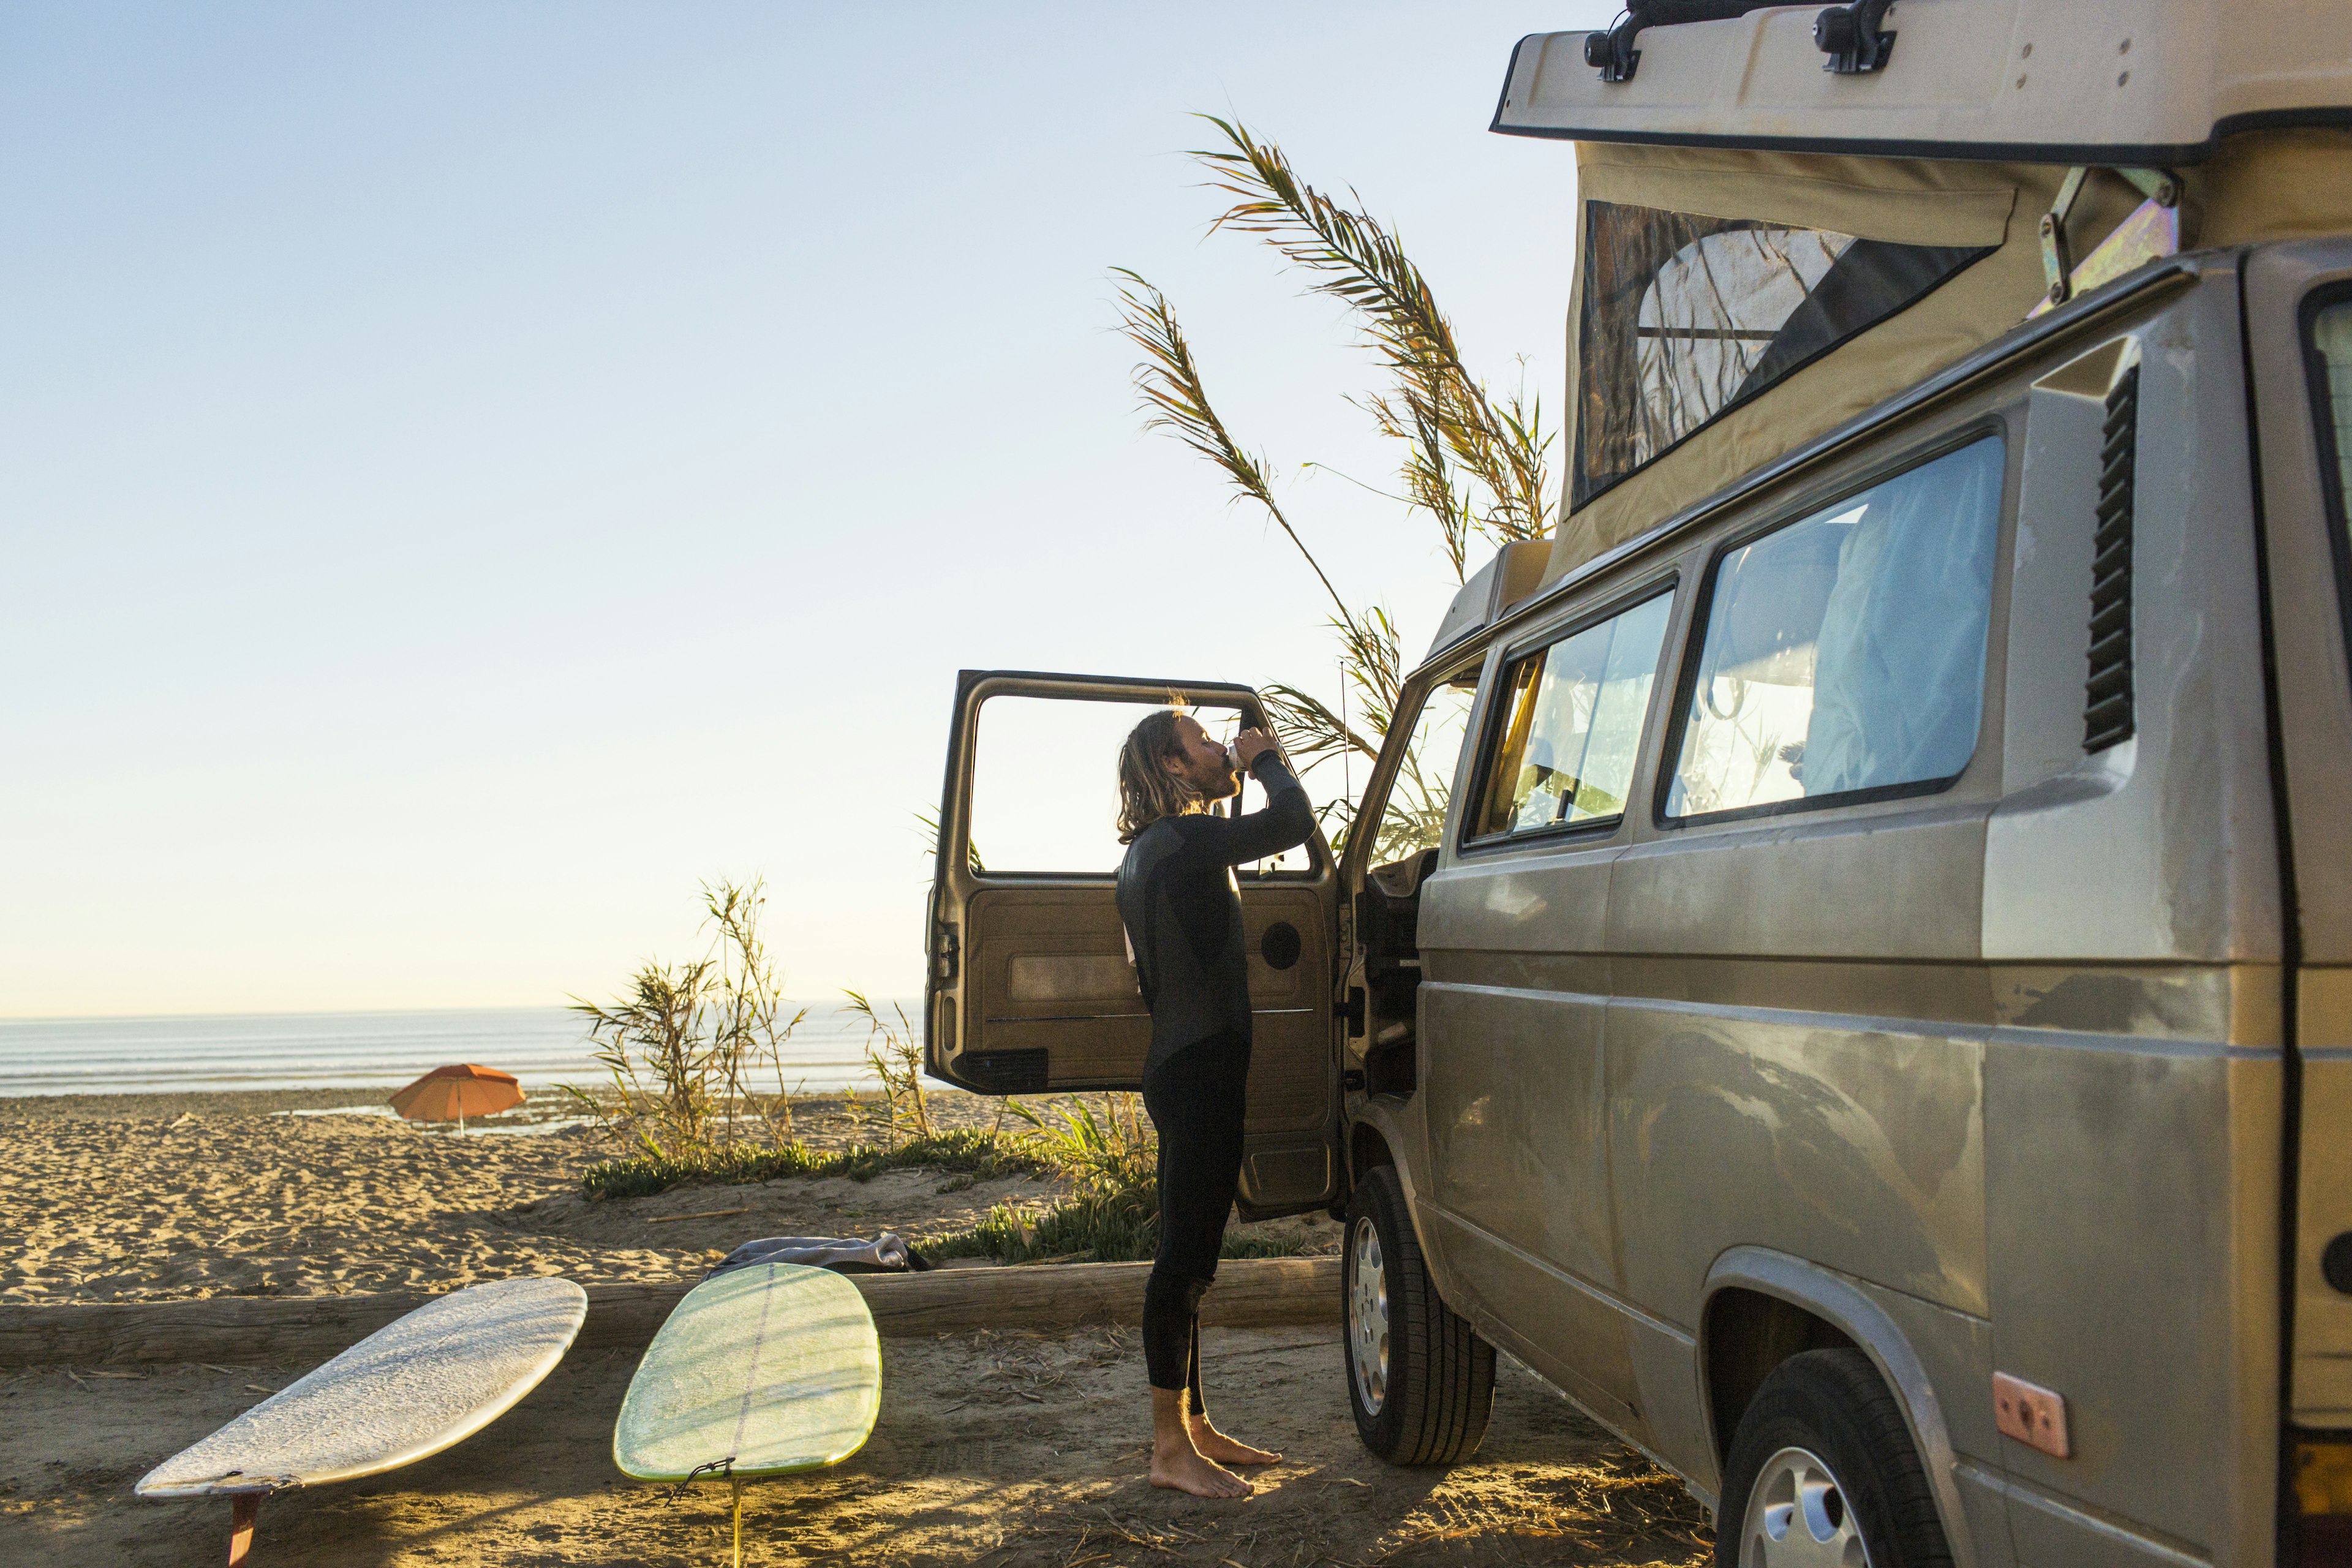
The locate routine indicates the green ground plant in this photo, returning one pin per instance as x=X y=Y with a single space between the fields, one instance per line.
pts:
x=1105 y=1161
x=969 y=1152
x=896 y=1058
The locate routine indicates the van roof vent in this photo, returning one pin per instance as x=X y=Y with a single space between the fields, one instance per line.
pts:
x=2107 y=714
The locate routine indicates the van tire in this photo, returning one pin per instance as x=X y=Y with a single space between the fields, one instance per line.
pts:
x=1427 y=1401
x=1829 y=1415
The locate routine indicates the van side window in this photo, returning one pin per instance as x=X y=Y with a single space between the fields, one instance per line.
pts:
x=1561 y=750
x=1846 y=651
x=1413 y=816
x=2331 y=350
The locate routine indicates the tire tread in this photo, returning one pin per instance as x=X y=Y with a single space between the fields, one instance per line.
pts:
x=1448 y=1391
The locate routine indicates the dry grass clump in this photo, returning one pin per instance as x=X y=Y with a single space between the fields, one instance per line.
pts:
x=683 y=1047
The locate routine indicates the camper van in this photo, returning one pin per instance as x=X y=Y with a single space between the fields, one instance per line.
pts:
x=1844 y=967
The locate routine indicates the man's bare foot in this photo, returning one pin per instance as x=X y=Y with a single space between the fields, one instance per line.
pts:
x=1218 y=1448
x=1180 y=1466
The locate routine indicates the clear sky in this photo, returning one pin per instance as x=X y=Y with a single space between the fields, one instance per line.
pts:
x=471 y=472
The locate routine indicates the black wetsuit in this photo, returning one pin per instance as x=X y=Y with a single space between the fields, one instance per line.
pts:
x=1183 y=918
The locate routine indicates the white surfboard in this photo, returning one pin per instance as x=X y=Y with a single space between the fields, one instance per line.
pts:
x=410 y=1389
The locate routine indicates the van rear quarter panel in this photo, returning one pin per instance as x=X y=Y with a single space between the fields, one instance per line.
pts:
x=2133 y=1089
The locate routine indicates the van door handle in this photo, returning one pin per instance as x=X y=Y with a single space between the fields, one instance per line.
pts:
x=945 y=961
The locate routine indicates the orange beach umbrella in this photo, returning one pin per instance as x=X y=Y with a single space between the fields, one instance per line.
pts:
x=453 y=1093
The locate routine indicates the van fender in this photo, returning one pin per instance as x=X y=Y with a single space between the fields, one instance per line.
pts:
x=1384 y=1117
x=1833 y=1297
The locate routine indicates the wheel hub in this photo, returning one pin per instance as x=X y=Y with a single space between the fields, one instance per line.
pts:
x=1368 y=1316
x=1797 y=1518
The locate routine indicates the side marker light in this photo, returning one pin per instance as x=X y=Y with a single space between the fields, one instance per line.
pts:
x=2034 y=1416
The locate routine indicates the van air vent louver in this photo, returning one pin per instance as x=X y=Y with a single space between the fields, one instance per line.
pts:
x=2107 y=714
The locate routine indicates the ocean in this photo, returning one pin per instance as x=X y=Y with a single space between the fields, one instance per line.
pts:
x=541 y=1045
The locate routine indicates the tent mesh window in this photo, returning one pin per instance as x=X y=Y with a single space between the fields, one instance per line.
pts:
x=2108 y=710
x=1686 y=317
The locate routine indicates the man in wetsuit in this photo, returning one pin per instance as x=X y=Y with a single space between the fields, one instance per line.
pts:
x=1183 y=920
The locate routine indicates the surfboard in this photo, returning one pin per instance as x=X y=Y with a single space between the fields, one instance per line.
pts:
x=763 y=1371
x=410 y=1389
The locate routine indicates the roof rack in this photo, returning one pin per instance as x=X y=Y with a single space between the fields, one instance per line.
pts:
x=1852 y=35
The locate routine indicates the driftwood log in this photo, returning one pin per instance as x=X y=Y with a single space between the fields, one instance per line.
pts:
x=280 y=1331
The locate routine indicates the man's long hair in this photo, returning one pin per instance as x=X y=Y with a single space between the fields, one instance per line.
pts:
x=1146 y=790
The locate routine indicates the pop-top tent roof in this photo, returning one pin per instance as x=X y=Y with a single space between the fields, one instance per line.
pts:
x=1768 y=248
x=2041 y=81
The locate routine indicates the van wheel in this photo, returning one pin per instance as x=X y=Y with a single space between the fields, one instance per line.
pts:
x=1822 y=1474
x=1421 y=1383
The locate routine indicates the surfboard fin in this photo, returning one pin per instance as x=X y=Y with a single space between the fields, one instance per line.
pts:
x=244 y=1508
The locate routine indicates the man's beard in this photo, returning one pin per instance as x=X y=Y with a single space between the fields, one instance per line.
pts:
x=1227 y=782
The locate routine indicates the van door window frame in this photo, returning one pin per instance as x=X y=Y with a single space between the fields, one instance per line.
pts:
x=1250 y=713
x=1693 y=652
x=1486 y=728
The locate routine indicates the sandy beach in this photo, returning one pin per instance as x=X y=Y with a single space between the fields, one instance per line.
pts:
x=994 y=1447
x=143 y=1197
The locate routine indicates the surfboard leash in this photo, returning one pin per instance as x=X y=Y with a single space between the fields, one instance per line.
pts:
x=723 y=1468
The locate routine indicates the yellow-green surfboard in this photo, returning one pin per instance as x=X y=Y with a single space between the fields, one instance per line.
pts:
x=761 y=1371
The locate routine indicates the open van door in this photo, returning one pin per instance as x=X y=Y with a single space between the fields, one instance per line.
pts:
x=1029 y=987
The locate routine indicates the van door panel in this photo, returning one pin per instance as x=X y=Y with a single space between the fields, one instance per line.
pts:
x=1515 y=1124
x=1290 y=1012
x=1512 y=1092
x=1031 y=990
x=1049 y=973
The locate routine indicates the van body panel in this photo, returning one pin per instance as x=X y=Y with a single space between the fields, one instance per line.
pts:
x=2131 y=1191
x=2052 y=1533
x=1890 y=881
x=1982 y=1495
x=1567 y=1333
x=1668 y=1389
x=2161 y=847
x=1513 y=1102
x=2303 y=526
x=1858 y=1147
x=2134 y=1094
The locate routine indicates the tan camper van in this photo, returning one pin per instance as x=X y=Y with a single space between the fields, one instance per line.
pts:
x=1845 y=969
